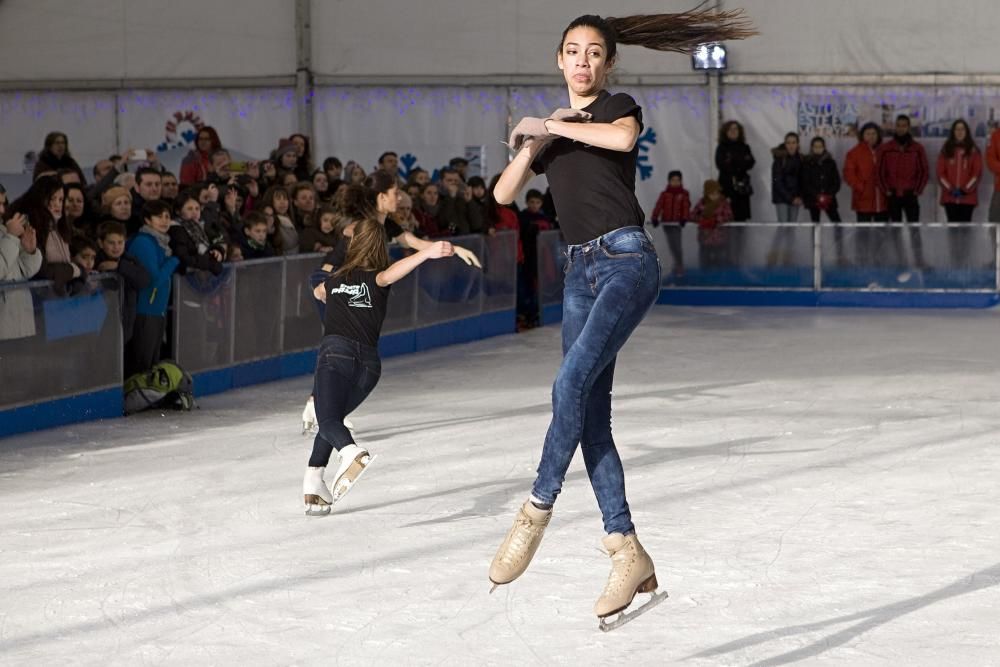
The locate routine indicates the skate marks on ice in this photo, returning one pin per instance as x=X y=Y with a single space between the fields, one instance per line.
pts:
x=677 y=394
x=868 y=620
x=486 y=504
x=626 y=616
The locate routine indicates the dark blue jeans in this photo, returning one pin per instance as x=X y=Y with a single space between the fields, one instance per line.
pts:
x=611 y=283
x=346 y=372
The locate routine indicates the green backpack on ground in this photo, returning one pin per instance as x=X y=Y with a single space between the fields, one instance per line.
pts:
x=164 y=385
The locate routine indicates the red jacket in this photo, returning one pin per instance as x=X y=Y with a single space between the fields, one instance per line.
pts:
x=993 y=158
x=508 y=220
x=195 y=167
x=902 y=168
x=860 y=173
x=673 y=205
x=723 y=214
x=961 y=172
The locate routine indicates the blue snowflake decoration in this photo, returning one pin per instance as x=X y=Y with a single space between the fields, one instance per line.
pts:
x=407 y=163
x=646 y=140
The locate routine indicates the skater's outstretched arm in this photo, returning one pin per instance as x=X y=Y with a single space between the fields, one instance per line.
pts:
x=518 y=172
x=408 y=240
x=403 y=267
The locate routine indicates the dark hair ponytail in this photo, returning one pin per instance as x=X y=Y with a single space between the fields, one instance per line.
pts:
x=361 y=201
x=680 y=32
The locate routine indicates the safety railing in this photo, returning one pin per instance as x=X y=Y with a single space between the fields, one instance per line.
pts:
x=260 y=309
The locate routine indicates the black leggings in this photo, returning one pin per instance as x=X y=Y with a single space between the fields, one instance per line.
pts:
x=346 y=372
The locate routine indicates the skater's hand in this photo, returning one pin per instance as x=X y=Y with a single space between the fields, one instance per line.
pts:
x=570 y=115
x=320 y=292
x=528 y=127
x=467 y=256
x=440 y=249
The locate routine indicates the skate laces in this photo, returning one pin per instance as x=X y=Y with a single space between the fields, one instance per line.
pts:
x=621 y=566
x=521 y=535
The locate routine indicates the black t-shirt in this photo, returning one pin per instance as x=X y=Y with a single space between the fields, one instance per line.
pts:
x=593 y=188
x=355 y=306
x=337 y=256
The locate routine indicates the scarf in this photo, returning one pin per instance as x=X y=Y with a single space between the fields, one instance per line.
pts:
x=431 y=210
x=196 y=230
x=161 y=239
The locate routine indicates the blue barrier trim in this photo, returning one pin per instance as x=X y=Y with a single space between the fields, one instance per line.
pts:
x=104 y=404
x=109 y=403
x=828 y=299
x=551 y=314
x=391 y=345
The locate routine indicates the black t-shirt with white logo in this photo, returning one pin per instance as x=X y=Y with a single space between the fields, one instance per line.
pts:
x=355 y=306
x=594 y=188
x=337 y=256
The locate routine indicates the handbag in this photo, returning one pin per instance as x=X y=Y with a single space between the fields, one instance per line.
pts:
x=741 y=186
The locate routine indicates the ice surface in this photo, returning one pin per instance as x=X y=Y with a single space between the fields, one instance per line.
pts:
x=815 y=486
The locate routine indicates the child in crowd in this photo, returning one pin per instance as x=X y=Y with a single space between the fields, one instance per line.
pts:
x=111 y=257
x=673 y=209
x=712 y=213
x=83 y=252
x=321 y=238
x=532 y=220
x=151 y=247
x=254 y=244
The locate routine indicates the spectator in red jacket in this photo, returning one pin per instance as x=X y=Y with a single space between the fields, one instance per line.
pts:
x=197 y=164
x=712 y=212
x=867 y=199
x=959 y=168
x=673 y=208
x=903 y=172
x=993 y=162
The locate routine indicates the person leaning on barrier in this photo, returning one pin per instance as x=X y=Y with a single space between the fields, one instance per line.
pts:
x=42 y=204
x=903 y=174
x=111 y=258
x=20 y=259
x=959 y=168
x=151 y=247
x=195 y=243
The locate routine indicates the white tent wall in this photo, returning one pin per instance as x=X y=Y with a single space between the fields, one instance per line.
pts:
x=139 y=40
x=868 y=37
x=426 y=126
x=94 y=40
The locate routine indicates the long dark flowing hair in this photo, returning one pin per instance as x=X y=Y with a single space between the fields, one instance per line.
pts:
x=361 y=201
x=679 y=32
x=968 y=144
x=367 y=249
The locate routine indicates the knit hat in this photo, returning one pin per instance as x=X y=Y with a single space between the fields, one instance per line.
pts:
x=712 y=186
x=287 y=147
x=113 y=193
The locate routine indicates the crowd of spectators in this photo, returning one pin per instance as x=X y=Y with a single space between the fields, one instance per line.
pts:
x=69 y=224
x=133 y=217
x=886 y=178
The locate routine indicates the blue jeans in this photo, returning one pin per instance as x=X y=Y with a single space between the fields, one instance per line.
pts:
x=611 y=283
x=346 y=372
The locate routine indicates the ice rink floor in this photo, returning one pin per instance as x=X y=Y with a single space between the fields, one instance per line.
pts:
x=815 y=487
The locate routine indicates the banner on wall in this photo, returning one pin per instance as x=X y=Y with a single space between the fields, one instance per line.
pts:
x=251 y=121
x=931 y=115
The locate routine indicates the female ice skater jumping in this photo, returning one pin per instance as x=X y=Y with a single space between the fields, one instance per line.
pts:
x=348 y=365
x=588 y=152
